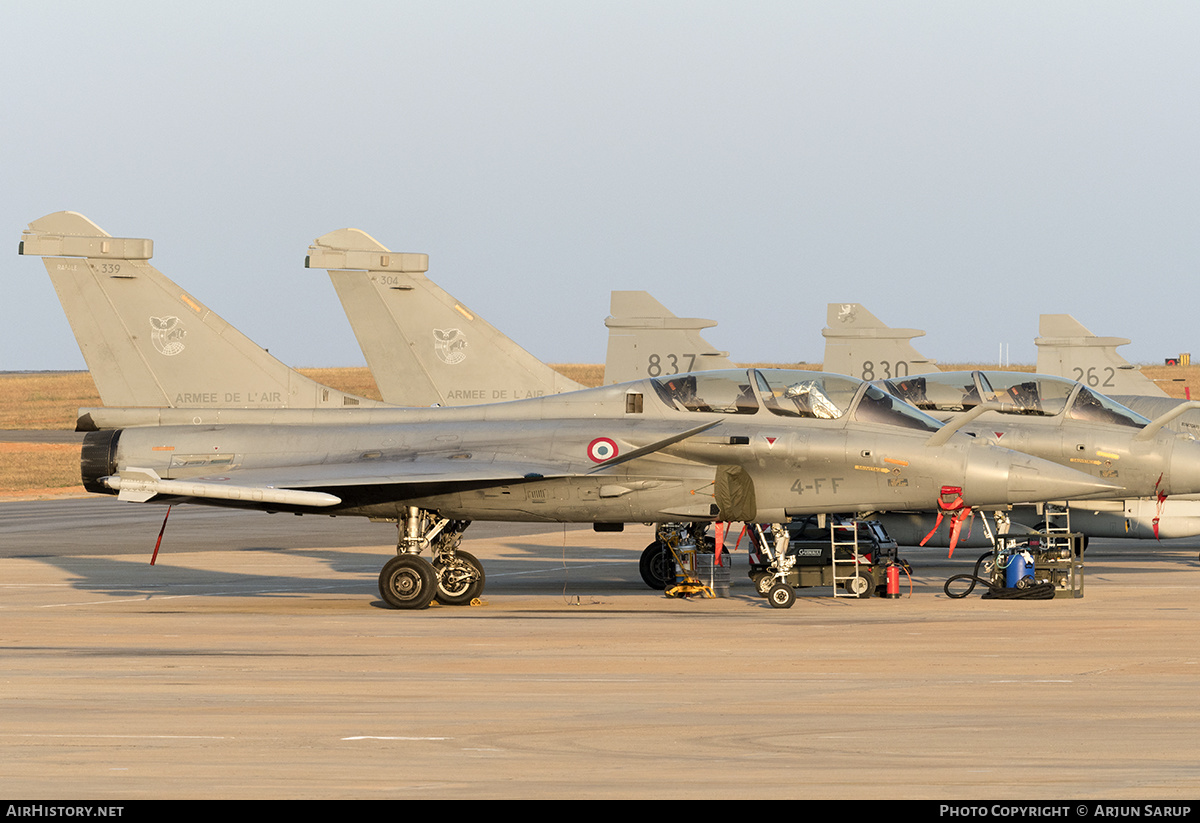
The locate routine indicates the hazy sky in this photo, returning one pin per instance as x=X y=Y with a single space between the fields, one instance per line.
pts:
x=956 y=166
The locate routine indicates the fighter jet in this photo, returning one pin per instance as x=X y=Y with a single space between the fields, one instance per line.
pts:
x=1050 y=417
x=730 y=445
x=1055 y=419
x=1060 y=421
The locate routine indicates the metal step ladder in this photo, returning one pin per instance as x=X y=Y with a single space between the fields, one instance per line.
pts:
x=845 y=567
x=1057 y=525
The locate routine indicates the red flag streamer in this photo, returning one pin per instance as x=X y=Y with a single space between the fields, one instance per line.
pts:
x=1160 y=498
x=950 y=502
x=158 y=542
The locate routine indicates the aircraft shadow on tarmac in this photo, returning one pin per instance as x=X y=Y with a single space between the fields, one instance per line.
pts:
x=524 y=559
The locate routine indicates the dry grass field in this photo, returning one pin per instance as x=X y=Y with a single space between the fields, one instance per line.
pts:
x=50 y=401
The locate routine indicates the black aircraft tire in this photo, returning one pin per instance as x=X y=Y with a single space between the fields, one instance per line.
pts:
x=452 y=588
x=657 y=566
x=407 y=582
x=781 y=596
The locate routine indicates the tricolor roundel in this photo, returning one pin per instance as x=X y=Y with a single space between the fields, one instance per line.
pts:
x=601 y=449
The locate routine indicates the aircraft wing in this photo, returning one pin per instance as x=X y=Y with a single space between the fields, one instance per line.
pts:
x=323 y=485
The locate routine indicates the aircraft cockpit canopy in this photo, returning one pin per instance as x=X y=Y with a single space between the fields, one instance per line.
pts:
x=814 y=395
x=1098 y=408
x=788 y=393
x=877 y=406
x=939 y=392
x=724 y=391
x=1022 y=393
x=1014 y=392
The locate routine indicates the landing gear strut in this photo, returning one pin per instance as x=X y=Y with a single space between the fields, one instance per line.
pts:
x=454 y=577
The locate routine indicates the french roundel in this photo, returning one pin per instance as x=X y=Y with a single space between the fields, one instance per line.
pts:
x=601 y=449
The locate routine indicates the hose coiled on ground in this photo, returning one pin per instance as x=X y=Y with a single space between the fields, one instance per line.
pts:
x=1038 y=591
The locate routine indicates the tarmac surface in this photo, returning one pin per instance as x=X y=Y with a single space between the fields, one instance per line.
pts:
x=256 y=660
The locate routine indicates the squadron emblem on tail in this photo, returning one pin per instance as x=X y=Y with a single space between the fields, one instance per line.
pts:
x=167 y=335
x=449 y=345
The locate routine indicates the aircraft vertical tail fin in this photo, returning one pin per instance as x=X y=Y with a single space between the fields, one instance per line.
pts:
x=1066 y=348
x=146 y=341
x=860 y=344
x=423 y=346
x=645 y=339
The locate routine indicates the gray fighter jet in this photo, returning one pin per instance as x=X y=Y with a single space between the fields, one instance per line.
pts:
x=729 y=445
x=732 y=445
x=1066 y=422
x=1052 y=418
x=1067 y=425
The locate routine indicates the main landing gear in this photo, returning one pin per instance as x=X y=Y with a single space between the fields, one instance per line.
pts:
x=453 y=577
x=657 y=564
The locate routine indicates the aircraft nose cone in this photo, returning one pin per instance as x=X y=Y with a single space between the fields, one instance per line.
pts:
x=1184 y=475
x=1032 y=480
x=999 y=476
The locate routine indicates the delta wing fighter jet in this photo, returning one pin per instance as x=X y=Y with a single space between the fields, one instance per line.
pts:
x=1060 y=419
x=148 y=343
x=733 y=445
x=1052 y=418
x=1063 y=421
